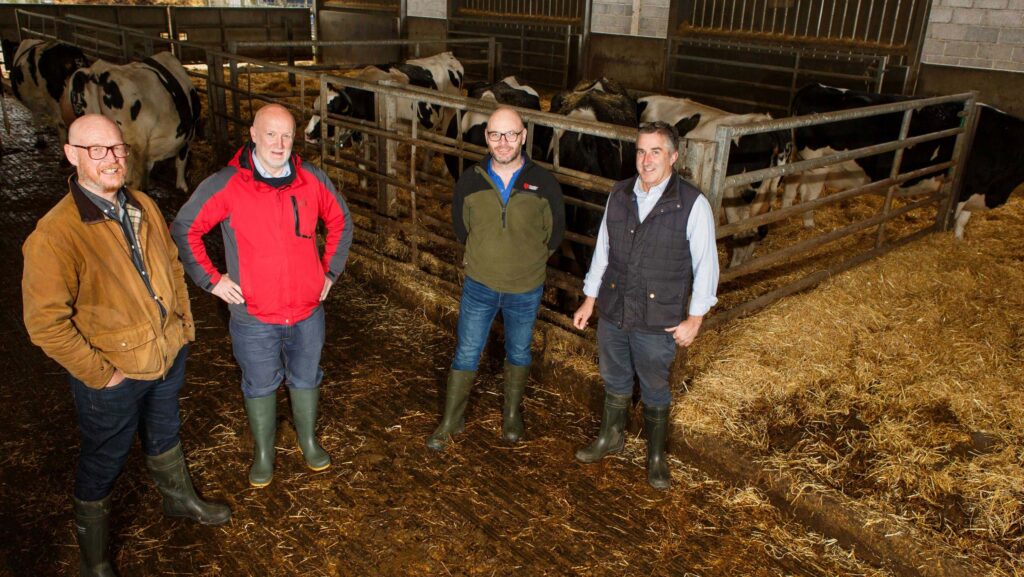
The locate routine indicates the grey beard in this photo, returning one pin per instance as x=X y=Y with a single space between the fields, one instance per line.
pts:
x=515 y=157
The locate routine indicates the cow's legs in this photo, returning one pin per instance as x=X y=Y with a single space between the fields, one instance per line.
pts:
x=144 y=177
x=963 y=213
x=737 y=209
x=363 y=183
x=179 y=164
x=961 y=221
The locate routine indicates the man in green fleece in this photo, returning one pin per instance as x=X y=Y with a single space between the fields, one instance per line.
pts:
x=509 y=213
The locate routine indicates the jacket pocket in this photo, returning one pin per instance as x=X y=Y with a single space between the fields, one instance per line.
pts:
x=133 y=350
x=665 y=303
x=609 y=297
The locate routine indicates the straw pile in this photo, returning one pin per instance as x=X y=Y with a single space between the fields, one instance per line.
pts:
x=899 y=383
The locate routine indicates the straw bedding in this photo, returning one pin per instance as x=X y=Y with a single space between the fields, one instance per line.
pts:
x=899 y=383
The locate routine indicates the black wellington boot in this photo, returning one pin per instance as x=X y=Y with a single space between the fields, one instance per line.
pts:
x=456 y=394
x=262 y=412
x=305 y=404
x=656 y=423
x=180 y=500
x=612 y=436
x=512 y=414
x=92 y=519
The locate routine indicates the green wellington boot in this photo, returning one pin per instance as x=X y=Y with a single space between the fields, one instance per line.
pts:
x=305 y=403
x=262 y=413
x=612 y=436
x=512 y=414
x=656 y=423
x=456 y=394
x=92 y=520
x=180 y=500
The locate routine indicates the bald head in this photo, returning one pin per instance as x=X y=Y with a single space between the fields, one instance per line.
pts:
x=505 y=138
x=91 y=125
x=94 y=150
x=273 y=113
x=273 y=133
x=505 y=117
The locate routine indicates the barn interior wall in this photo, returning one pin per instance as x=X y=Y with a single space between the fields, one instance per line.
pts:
x=976 y=33
x=336 y=25
x=638 y=63
x=423 y=28
x=999 y=88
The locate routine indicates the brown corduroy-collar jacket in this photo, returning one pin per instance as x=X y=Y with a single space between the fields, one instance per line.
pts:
x=85 y=303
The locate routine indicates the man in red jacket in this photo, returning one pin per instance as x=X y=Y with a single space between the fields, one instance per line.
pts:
x=267 y=202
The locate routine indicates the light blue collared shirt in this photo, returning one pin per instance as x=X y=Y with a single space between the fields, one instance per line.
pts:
x=700 y=232
x=263 y=171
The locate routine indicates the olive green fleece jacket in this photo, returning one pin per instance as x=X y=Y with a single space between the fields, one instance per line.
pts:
x=508 y=245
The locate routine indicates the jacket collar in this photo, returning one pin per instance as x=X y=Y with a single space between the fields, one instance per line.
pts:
x=87 y=209
x=242 y=161
x=481 y=167
x=670 y=194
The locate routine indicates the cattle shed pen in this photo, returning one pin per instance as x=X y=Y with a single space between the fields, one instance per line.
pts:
x=404 y=241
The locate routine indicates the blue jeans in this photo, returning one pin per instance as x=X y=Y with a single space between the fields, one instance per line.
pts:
x=624 y=354
x=108 y=419
x=268 y=354
x=477 y=309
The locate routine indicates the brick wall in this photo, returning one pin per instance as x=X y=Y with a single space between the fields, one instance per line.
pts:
x=428 y=8
x=630 y=17
x=976 y=34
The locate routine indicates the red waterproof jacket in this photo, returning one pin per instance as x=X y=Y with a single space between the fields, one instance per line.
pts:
x=270 y=241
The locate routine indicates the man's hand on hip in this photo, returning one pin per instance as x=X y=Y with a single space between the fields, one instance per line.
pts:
x=228 y=291
x=328 y=283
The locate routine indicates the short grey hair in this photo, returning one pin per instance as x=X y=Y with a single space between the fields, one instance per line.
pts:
x=666 y=130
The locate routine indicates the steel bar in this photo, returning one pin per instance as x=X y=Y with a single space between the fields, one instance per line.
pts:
x=961 y=151
x=852 y=114
x=896 y=162
x=805 y=246
x=777 y=215
x=838 y=157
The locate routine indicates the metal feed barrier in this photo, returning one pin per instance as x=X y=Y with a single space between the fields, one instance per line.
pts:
x=404 y=205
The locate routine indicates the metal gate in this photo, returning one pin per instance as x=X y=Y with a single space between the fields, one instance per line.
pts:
x=540 y=41
x=196 y=27
x=754 y=54
x=403 y=212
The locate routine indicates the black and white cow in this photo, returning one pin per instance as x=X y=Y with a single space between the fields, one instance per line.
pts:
x=39 y=71
x=698 y=121
x=441 y=72
x=825 y=139
x=602 y=100
x=995 y=164
x=153 y=102
x=508 y=91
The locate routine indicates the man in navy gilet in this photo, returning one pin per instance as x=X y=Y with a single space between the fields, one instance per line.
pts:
x=653 y=278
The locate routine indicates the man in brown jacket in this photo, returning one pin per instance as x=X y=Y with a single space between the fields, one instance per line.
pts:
x=105 y=297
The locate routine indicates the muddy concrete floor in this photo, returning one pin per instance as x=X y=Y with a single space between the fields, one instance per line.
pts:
x=388 y=506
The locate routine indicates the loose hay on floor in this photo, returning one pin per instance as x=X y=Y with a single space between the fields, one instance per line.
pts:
x=899 y=383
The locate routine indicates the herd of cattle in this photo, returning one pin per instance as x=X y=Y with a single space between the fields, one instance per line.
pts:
x=158 y=109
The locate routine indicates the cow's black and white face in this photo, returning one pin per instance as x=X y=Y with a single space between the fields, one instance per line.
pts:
x=312 y=132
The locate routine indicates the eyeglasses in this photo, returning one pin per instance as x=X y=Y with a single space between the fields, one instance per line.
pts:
x=98 y=152
x=509 y=136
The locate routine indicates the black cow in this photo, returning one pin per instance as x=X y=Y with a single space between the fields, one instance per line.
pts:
x=507 y=91
x=995 y=165
x=824 y=139
x=442 y=72
x=39 y=71
x=697 y=121
x=602 y=100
